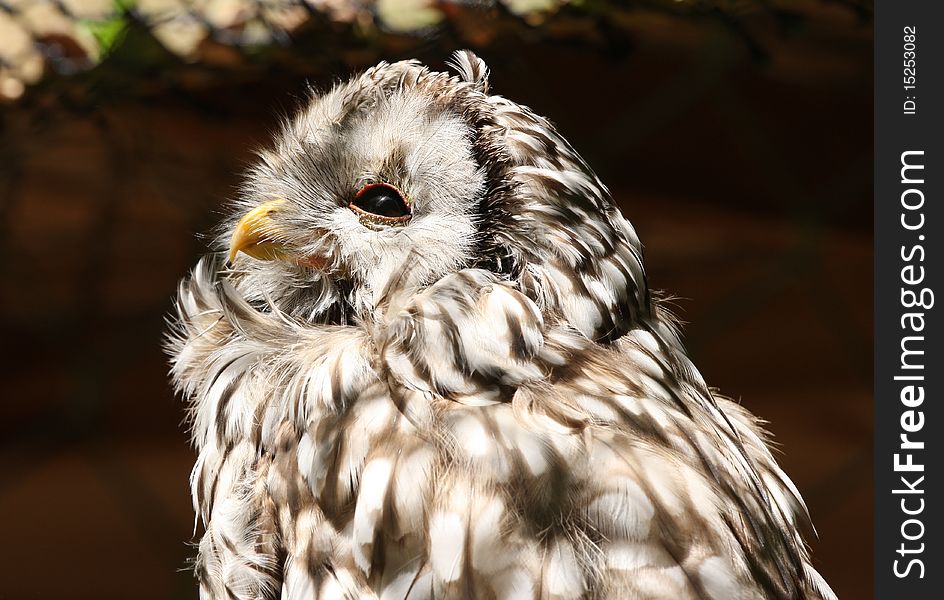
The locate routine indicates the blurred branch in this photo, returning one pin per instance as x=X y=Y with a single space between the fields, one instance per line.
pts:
x=133 y=46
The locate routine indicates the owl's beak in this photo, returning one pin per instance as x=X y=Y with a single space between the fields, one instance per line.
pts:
x=256 y=234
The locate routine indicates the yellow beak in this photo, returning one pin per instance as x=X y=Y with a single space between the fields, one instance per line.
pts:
x=256 y=234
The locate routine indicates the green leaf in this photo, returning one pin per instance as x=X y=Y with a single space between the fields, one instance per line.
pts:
x=110 y=31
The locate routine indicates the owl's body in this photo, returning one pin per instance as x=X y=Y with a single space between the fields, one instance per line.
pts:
x=458 y=386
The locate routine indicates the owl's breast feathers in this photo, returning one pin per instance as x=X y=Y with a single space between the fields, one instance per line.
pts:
x=470 y=443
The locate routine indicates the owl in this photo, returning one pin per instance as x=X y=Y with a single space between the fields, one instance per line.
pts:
x=425 y=363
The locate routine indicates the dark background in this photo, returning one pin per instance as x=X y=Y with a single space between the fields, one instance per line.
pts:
x=740 y=147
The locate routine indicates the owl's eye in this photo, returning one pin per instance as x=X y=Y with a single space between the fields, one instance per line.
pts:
x=381 y=203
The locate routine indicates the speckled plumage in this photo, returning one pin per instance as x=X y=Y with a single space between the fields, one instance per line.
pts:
x=485 y=402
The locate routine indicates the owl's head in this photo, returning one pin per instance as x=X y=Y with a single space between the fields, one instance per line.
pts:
x=405 y=170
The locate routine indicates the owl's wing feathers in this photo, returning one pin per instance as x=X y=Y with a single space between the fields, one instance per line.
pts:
x=481 y=449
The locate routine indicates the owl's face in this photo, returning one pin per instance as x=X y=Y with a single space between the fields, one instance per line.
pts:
x=360 y=184
x=402 y=176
